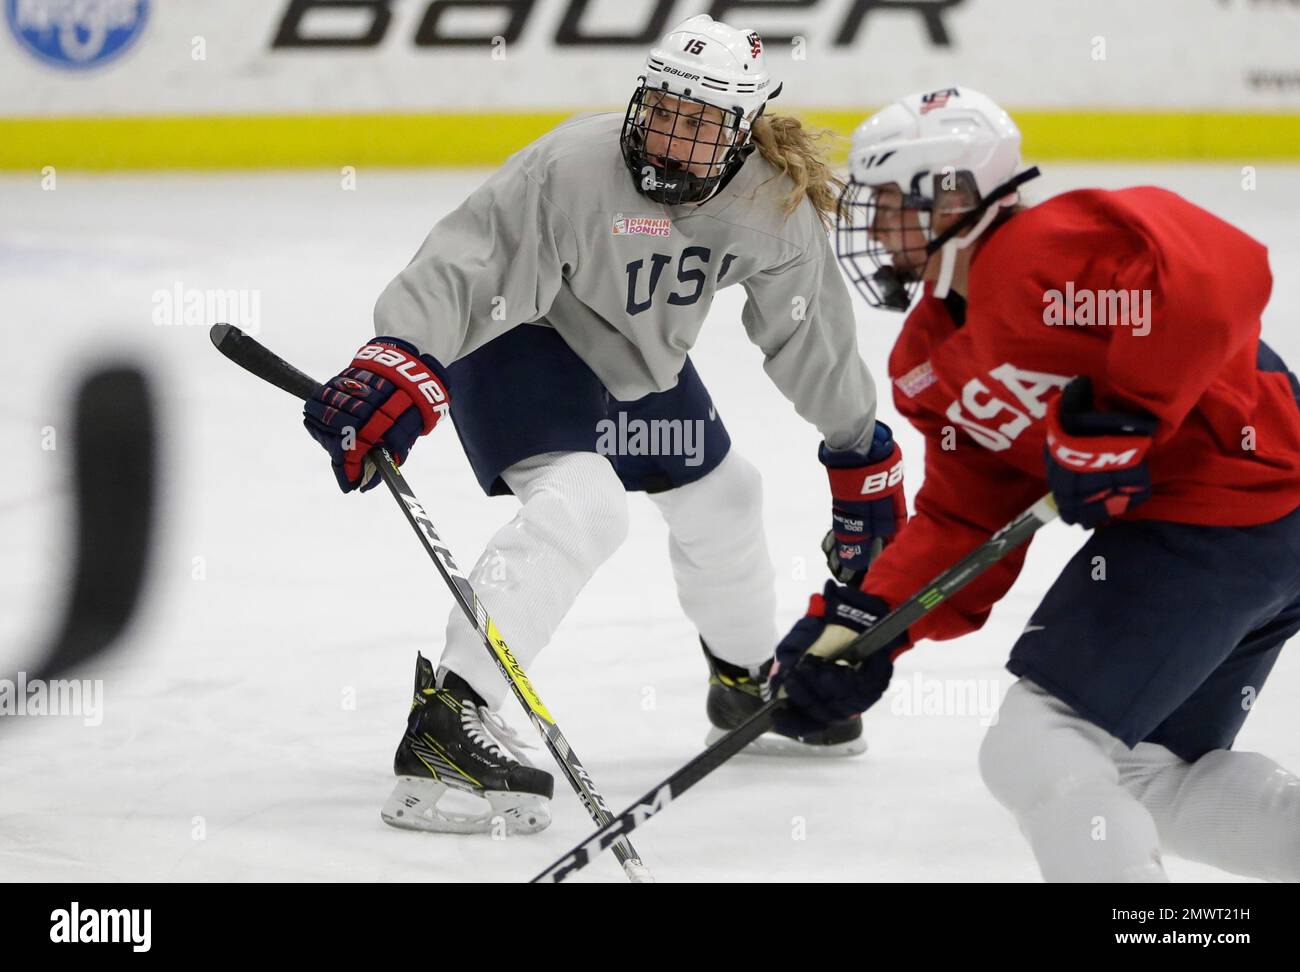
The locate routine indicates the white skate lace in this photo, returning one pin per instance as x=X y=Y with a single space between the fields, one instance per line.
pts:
x=489 y=730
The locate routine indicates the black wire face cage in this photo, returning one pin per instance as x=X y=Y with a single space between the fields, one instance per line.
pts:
x=862 y=228
x=696 y=154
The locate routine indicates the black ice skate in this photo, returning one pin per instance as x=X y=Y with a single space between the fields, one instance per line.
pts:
x=458 y=767
x=735 y=693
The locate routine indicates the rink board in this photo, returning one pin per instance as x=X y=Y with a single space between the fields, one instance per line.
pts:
x=289 y=83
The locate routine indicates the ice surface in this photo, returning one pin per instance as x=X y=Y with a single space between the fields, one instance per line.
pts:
x=249 y=721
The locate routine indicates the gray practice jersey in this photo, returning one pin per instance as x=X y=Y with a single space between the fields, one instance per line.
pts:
x=560 y=236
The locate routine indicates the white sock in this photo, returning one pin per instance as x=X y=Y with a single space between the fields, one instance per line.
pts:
x=572 y=518
x=1237 y=811
x=725 y=580
x=1055 y=771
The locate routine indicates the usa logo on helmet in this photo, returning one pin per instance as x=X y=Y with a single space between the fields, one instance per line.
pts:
x=937 y=99
x=76 y=36
x=755 y=43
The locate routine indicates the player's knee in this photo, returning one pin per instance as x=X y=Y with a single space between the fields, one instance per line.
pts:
x=583 y=504
x=1007 y=745
x=1000 y=753
x=743 y=485
x=603 y=517
x=1040 y=749
x=1267 y=798
x=728 y=497
x=1147 y=764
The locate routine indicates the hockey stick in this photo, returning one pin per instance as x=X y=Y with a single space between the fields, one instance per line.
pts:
x=891 y=626
x=253 y=357
x=113 y=467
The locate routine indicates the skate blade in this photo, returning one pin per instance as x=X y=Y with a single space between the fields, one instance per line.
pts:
x=434 y=807
x=775 y=744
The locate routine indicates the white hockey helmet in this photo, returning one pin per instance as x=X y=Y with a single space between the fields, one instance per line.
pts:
x=706 y=63
x=922 y=144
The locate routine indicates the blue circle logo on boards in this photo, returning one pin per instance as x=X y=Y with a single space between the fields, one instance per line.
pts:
x=76 y=34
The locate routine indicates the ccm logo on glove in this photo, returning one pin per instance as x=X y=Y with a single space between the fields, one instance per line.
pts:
x=1096 y=459
x=850 y=615
x=1076 y=458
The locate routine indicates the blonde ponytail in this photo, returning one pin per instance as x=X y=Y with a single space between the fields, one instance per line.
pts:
x=797 y=152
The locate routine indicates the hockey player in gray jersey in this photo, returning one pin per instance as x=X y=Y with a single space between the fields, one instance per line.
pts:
x=551 y=315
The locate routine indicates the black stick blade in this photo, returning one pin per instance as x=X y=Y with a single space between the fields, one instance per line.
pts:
x=220 y=332
x=262 y=362
x=115 y=462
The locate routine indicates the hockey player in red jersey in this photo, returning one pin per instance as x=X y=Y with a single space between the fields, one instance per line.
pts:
x=1105 y=346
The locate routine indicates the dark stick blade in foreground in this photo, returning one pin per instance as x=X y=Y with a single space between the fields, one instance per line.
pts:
x=114 y=459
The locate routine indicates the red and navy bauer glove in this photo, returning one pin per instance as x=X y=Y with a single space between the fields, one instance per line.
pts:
x=867 y=503
x=821 y=692
x=1096 y=461
x=391 y=394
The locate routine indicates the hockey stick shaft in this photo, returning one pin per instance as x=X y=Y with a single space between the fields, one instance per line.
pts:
x=249 y=354
x=874 y=639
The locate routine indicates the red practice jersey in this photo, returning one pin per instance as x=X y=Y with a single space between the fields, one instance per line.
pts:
x=1044 y=304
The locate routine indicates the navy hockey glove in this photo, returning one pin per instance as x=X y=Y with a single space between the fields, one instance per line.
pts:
x=867 y=503
x=822 y=692
x=391 y=394
x=1096 y=461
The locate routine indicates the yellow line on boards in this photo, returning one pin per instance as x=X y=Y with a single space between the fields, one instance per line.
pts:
x=486 y=138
